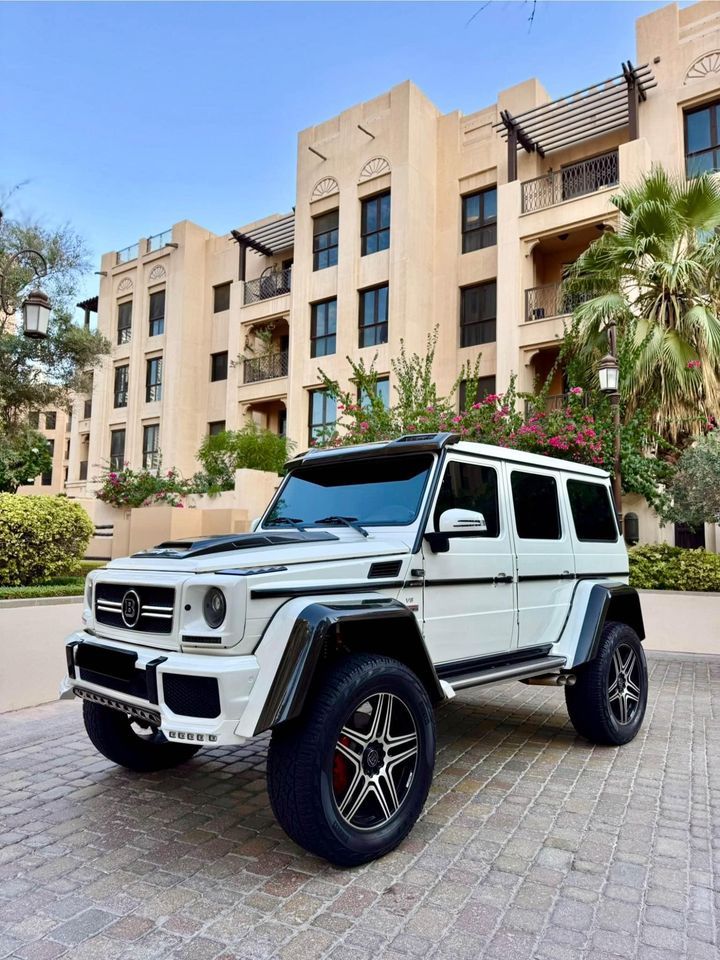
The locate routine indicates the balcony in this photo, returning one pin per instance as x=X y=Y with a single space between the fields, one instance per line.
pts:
x=269 y=367
x=271 y=285
x=554 y=401
x=158 y=241
x=575 y=180
x=127 y=254
x=550 y=300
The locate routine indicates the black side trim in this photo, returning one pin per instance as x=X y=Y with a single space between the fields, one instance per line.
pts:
x=462 y=581
x=615 y=601
x=316 y=627
x=70 y=657
x=453 y=668
x=571 y=576
x=263 y=592
x=151 y=678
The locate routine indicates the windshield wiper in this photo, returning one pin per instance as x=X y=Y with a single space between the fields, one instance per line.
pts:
x=348 y=521
x=290 y=521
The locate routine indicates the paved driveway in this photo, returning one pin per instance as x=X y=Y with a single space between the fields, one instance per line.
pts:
x=533 y=844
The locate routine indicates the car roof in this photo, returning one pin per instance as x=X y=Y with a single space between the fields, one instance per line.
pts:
x=434 y=443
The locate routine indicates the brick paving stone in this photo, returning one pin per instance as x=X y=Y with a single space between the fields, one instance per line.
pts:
x=534 y=845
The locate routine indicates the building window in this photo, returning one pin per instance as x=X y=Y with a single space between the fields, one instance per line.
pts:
x=151 y=447
x=323 y=413
x=479 y=220
x=535 y=503
x=375 y=223
x=218 y=366
x=153 y=380
x=702 y=139
x=124 y=322
x=34 y=420
x=157 y=313
x=323 y=326
x=282 y=422
x=50 y=420
x=87 y=409
x=383 y=392
x=325 y=240
x=374 y=316
x=117 y=449
x=485 y=386
x=120 y=391
x=221 y=297
x=477 y=314
x=46 y=478
x=216 y=427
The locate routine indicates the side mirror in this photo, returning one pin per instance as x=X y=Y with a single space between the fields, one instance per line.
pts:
x=461 y=521
x=255 y=524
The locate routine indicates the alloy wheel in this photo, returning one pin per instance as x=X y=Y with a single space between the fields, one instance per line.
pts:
x=624 y=683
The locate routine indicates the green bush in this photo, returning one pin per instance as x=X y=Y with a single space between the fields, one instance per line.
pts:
x=40 y=537
x=252 y=448
x=662 y=567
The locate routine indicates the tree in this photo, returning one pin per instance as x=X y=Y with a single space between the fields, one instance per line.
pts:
x=657 y=279
x=24 y=455
x=695 y=487
x=38 y=374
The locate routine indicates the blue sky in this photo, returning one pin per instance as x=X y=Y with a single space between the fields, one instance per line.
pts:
x=126 y=117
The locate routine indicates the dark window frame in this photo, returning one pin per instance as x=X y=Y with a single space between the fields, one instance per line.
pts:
x=117 y=460
x=219 y=366
x=319 y=424
x=216 y=427
x=124 y=323
x=609 y=516
x=51 y=420
x=153 y=379
x=156 y=324
x=322 y=339
x=539 y=476
x=376 y=325
x=473 y=332
x=151 y=455
x=485 y=231
x=47 y=477
x=381 y=233
x=482 y=381
x=363 y=399
x=714 y=107
x=122 y=393
x=326 y=249
x=219 y=289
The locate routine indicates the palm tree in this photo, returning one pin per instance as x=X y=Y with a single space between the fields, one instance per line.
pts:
x=657 y=281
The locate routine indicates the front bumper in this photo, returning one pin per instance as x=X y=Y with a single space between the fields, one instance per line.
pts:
x=161 y=684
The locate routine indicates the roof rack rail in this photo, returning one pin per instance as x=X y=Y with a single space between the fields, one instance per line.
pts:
x=408 y=443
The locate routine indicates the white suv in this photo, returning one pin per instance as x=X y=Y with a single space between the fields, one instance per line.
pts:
x=381 y=579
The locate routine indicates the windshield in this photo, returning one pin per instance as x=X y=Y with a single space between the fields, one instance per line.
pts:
x=386 y=491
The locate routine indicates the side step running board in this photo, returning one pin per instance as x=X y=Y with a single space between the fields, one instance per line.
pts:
x=509 y=671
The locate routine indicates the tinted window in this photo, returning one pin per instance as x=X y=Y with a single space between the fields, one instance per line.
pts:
x=592 y=511
x=325 y=240
x=323 y=327
x=478 y=307
x=485 y=385
x=702 y=139
x=535 y=502
x=469 y=486
x=374 y=316
x=218 y=366
x=375 y=224
x=157 y=313
x=479 y=216
x=221 y=297
x=385 y=491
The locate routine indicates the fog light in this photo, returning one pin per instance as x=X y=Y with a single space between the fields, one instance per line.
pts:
x=214 y=607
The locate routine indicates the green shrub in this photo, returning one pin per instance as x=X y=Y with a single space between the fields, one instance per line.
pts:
x=40 y=537
x=662 y=567
x=252 y=448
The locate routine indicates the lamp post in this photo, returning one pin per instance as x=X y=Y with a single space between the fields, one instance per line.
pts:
x=609 y=377
x=36 y=306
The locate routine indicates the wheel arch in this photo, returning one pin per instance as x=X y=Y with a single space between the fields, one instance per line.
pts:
x=324 y=630
x=615 y=602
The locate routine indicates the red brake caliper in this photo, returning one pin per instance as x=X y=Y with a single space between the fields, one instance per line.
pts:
x=341 y=774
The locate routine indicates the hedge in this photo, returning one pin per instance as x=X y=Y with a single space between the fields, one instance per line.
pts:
x=40 y=537
x=662 y=567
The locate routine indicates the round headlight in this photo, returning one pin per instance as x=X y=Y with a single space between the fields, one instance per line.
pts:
x=214 y=607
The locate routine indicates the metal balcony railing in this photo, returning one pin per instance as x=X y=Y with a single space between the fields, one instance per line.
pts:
x=269 y=367
x=555 y=401
x=572 y=181
x=551 y=300
x=127 y=254
x=271 y=285
x=158 y=241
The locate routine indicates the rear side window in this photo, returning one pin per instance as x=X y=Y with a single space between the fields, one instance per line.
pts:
x=592 y=512
x=535 y=502
x=469 y=486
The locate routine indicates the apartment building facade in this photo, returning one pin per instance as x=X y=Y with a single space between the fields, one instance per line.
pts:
x=405 y=220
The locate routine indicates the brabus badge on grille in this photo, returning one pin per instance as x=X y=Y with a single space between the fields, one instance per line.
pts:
x=130 y=608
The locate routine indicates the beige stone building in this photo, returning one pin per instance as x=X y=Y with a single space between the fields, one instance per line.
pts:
x=405 y=218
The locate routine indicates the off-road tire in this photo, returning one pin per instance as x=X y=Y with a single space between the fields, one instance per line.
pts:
x=589 y=699
x=112 y=734
x=301 y=771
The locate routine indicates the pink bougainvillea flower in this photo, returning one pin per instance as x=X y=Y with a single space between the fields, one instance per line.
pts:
x=364 y=425
x=694 y=364
x=457 y=419
x=577 y=391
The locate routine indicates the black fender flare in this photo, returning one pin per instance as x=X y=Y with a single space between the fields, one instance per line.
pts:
x=317 y=624
x=607 y=601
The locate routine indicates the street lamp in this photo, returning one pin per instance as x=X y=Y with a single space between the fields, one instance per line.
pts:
x=609 y=377
x=36 y=306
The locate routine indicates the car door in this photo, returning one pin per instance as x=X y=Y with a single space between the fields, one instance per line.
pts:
x=469 y=593
x=545 y=558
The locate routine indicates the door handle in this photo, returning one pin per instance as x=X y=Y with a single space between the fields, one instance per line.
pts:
x=503 y=578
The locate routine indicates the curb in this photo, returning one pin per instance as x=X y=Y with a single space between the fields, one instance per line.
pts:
x=38 y=601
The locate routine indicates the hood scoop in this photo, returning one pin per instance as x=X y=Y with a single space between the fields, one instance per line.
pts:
x=203 y=546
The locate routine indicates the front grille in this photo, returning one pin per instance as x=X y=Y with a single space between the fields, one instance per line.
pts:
x=155 y=613
x=191 y=696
